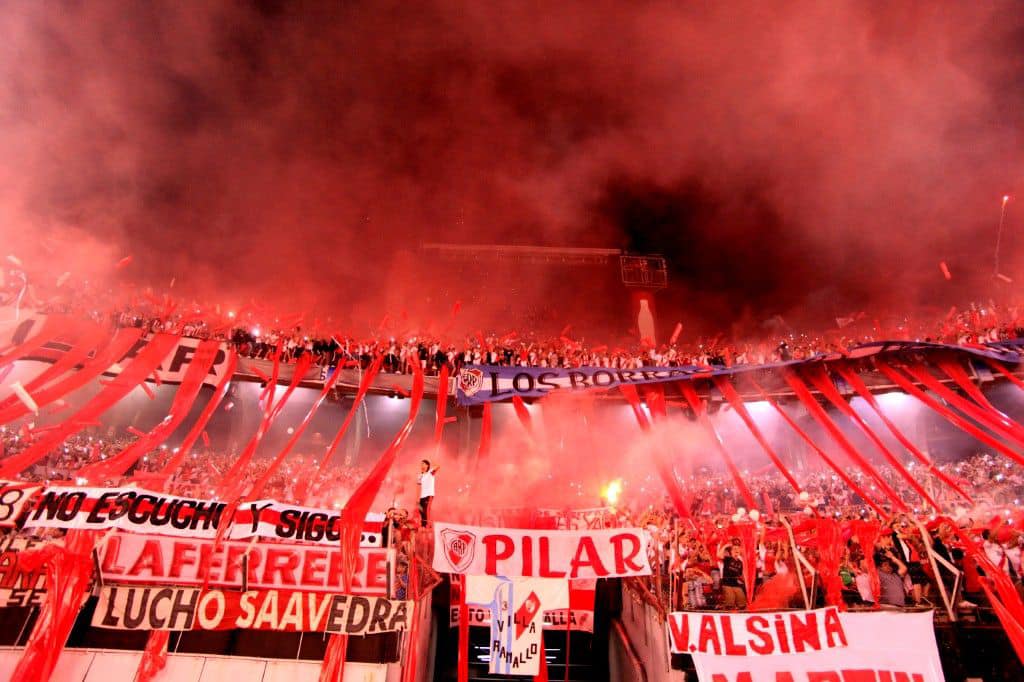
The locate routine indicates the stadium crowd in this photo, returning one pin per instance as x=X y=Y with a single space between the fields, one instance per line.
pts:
x=700 y=559
x=259 y=334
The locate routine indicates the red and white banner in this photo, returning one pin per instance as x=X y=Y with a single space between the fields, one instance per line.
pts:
x=142 y=511
x=14 y=497
x=517 y=606
x=824 y=645
x=169 y=608
x=579 y=616
x=75 y=508
x=556 y=619
x=512 y=552
x=271 y=519
x=155 y=560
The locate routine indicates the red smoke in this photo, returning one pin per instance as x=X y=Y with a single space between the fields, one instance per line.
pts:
x=787 y=155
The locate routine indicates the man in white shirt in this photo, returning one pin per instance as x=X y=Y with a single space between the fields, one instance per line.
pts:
x=426 y=490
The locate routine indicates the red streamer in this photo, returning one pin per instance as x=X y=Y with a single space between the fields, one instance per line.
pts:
x=830 y=541
x=122 y=342
x=523 y=414
x=184 y=398
x=151 y=355
x=867 y=533
x=91 y=339
x=68 y=573
x=668 y=479
x=908 y=387
x=956 y=372
x=441 y=404
x=826 y=422
x=199 y=428
x=463 y=675
x=823 y=383
x=54 y=326
x=305 y=486
x=862 y=390
x=257 y=489
x=154 y=656
x=353 y=516
x=730 y=394
x=996 y=422
x=821 y=453
x=485 y=433
x=698 y=408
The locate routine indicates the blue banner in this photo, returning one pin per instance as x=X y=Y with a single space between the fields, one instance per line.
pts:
x=478 y=384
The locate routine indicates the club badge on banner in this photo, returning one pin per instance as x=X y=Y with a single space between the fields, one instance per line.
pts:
x=129 y=558
x=516 y=606
x=808 y=646
x=170 y=608
x=472 y=550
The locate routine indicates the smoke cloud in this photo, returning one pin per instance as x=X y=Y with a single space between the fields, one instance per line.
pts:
x=797 y=157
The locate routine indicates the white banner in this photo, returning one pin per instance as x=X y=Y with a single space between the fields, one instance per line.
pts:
x=272 y=519
x=808 y=646
x=169 y=608
x=143 y=511
x=126 y=508
x=472 y=550
x=516 y=606
x=154 y=560
x=555 y=619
